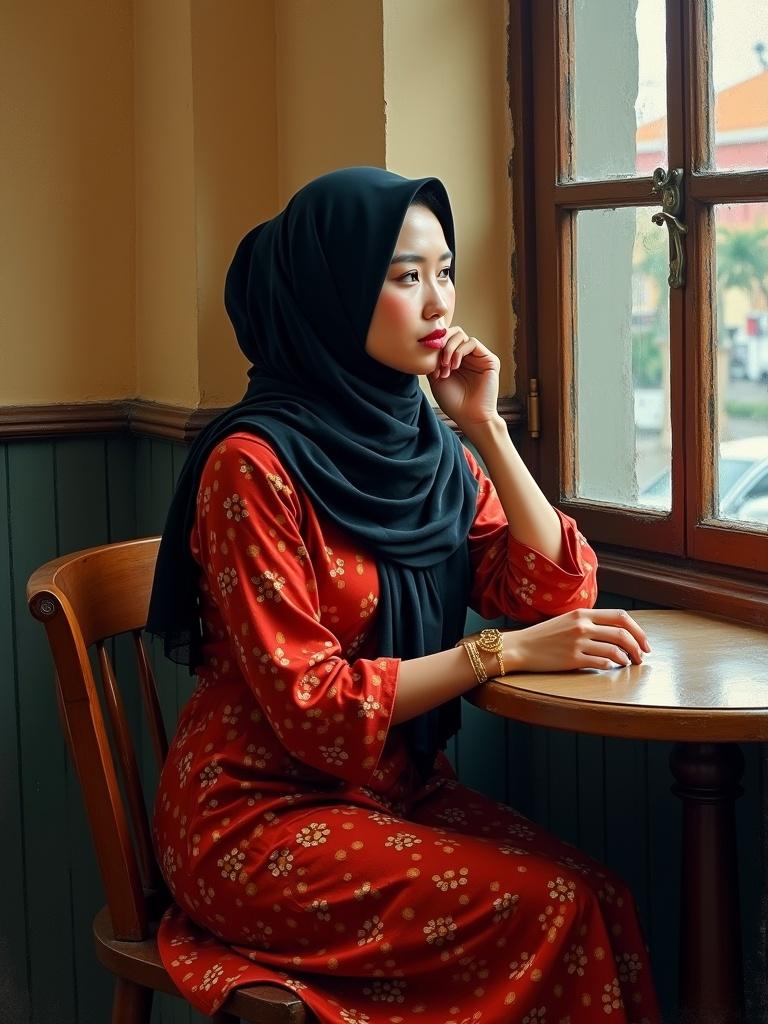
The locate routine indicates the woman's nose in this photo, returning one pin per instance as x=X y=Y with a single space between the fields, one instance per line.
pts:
x=436 y=305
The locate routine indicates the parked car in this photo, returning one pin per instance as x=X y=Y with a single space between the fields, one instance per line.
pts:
x=742 y=482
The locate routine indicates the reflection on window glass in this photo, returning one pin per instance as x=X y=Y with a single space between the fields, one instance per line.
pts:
x=741 y=362
x=621 y=355
x=739 y=40
x=619 y=98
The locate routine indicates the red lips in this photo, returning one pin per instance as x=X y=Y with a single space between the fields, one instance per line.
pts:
x=435 y=335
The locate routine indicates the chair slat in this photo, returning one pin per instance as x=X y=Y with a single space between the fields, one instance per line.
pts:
x=129 y=771
x=150 y=701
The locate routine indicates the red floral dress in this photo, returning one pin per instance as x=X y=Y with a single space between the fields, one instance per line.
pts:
x=298 y=842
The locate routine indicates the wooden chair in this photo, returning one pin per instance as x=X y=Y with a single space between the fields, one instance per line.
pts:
x=83 y=600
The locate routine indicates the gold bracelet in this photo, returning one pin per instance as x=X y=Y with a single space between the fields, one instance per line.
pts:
x=492 y=642
x=475 y=660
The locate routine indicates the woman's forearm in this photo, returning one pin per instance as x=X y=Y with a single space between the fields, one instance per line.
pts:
x=531 y=518
x=424 y=683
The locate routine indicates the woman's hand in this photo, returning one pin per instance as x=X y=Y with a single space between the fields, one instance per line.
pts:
x=586 y=638
x=466 y=381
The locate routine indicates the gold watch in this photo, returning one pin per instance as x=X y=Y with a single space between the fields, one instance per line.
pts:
x=491 y=641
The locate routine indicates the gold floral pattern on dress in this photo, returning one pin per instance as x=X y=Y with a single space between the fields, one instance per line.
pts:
x=230 y=715
x=280 y=862
x=169 y=862
x=314 y=834
x=505 y=906
x=518 y=968
x=184 y=767
x=451 y=879
x=335 y=755
x=402 y=841
x=246 y=468
x=575 y=960
x=211 y=977
x=231 y=863
x=228 y=580
x=372 y=930
x=386 y=991
x=256 y=757
x=368 y=707
x=354 y=1017
x=520 y=830
x=562 y=891
x=368 y=605
x=321 y=909
x=629 y=965
x=278 y=485
x=612 y=997
x=536 y=1016
x=210 y=775
x=236 y=508
x=526 y=590
x=440 y=930
x=551 y=920
x=268 y=586
x=453 y=815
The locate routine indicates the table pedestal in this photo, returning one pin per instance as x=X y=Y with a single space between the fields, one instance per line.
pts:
x=707 y=780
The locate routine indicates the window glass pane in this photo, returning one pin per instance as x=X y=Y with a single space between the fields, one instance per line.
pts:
x=621 y=359
x=619 y=99
x=740 y=83
x=741 y=362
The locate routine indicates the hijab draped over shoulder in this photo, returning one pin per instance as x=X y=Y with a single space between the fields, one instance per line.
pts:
x=360 y=438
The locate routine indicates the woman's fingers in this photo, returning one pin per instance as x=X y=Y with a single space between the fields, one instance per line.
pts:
x=611 y=654
x=622 y=619
x=593 y=662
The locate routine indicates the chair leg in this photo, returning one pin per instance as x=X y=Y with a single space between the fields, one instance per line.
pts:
x=132 y=1004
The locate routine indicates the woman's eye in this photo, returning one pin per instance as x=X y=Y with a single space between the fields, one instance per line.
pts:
x=411 y=277
x=445 y=272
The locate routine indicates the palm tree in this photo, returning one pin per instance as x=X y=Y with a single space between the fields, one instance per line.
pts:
x=742 y=259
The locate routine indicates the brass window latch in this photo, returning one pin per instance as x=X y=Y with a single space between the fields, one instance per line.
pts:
x=669 y=185
x=534 y=425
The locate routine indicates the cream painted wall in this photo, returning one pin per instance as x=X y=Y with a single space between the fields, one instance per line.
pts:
x=147 y=137
x=66 y=288
x=235 y=164
x=448 y=115
x=330 y=88
x=166 y=230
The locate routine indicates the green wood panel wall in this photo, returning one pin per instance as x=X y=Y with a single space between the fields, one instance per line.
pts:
x=610 y=797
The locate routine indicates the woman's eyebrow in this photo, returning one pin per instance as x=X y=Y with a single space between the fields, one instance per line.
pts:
x=411 y=257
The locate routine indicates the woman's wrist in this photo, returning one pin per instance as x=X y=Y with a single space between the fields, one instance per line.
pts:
x=511 y=654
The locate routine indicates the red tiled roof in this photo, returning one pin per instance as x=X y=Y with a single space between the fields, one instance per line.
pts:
x=741 y=107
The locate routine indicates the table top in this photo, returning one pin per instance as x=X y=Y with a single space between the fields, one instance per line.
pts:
x=706 y=679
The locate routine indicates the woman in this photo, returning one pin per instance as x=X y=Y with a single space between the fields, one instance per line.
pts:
x=325 y=540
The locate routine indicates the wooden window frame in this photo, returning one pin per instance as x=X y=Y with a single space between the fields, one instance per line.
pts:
x=677 y=560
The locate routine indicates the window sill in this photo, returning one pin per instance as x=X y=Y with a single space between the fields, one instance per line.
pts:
x=679 y=583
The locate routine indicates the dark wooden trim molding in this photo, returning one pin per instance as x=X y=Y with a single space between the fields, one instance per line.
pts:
x=146 y=419
x=31 y=421
x=134 y=416
x=173 y=423
x=740 y=596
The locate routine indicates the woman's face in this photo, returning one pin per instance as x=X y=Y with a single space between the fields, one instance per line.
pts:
x=416 y=299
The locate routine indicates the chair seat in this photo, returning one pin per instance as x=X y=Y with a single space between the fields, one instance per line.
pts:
x=140 y=962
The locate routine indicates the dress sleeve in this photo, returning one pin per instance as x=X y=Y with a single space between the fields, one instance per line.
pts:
x=513 y=580
x=328 y=712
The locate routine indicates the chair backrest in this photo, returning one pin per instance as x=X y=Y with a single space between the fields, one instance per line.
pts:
x=83 y=600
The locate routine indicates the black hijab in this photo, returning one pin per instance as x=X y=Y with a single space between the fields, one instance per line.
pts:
x=360 y=438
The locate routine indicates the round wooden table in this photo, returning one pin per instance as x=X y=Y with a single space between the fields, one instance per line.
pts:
x=705 y=686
